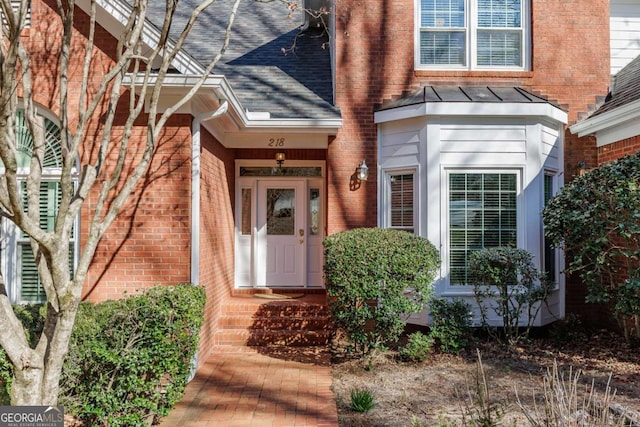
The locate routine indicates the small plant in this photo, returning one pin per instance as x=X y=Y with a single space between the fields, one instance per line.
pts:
x=418 y=347
x=362 y=400
x=415 y=422
x=375 y=278
x=450 y=324
x=508 y=277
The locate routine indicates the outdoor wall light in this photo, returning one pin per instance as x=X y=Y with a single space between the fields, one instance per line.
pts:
x=362 y=171
x=280 y=158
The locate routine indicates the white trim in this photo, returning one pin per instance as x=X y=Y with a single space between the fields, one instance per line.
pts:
x=606 y=120
x=470 y=31
x=218 y=87
x=472 y=109
x=195 y=201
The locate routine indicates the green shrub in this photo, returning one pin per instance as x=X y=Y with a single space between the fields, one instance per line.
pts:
x=507 y=282
x=375 y=277
x=595 y=218
x=450 y=324
x=418 y=347
x=362 y=400
x=128 y=359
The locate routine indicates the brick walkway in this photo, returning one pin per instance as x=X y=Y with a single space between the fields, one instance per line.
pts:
x=276 y=388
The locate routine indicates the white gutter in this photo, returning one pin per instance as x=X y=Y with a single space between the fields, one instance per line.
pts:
x=472 y=109
x=607 y=120
x=248 y=120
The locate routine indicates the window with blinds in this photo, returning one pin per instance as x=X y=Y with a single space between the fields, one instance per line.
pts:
x=401 y=201
x=472 y=33
x=15 y=6
x=482 y=214
x=18 y=260
x=29 y=282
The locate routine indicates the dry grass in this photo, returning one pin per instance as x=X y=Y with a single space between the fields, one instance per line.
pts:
x=449 y=390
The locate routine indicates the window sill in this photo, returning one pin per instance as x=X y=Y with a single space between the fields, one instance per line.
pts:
x=475 y=74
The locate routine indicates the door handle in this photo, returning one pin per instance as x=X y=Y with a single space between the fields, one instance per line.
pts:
x=301 y=232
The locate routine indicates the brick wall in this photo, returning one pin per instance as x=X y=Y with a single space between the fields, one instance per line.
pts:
x=149 y=243
x=375 y=62
x=618 y=149
x=216 y=232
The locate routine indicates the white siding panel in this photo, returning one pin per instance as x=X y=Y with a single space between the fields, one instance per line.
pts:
x=625 y=32
x=400 y=143
x=550 y=147
x=483 y=159
x=480 y=139
x=400 y=150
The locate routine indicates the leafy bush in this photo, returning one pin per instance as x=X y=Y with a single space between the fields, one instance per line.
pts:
x=596 y=218
x=418 y=347
x=129 y=359
x=375 y=277
x=362 y=400
x=508 y=277
x=450 y=324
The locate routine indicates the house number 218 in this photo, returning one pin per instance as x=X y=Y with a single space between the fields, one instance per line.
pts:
x=276 y=142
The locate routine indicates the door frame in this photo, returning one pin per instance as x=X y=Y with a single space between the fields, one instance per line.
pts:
x=250 y=244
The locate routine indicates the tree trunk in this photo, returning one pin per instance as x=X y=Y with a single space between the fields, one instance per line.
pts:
x=38 y=380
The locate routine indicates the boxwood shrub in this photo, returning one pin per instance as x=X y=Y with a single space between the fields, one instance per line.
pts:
x=375 y=278
x=129 y=360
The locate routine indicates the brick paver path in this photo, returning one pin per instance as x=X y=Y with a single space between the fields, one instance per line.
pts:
x=276 y=388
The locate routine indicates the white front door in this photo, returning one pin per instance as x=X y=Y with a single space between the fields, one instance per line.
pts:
x=281 y=226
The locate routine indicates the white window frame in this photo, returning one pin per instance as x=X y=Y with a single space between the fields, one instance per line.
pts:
x=520 y=229
x=471 y=39
x=11 y=239
x=555 y=251
x=386 y=198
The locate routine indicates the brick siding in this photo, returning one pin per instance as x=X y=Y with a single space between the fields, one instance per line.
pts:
x=618 y=149
x=217 y=190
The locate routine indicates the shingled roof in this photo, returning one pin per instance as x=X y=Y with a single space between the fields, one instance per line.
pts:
x=625 y=88
x=263 y=73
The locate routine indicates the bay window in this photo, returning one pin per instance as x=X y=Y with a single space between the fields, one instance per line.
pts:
x=472 y=34
x=482 y=214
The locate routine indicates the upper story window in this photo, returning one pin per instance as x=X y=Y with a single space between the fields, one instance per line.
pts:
x=473 y=34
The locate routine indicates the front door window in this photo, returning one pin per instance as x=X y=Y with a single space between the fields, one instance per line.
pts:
x=281 y=209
